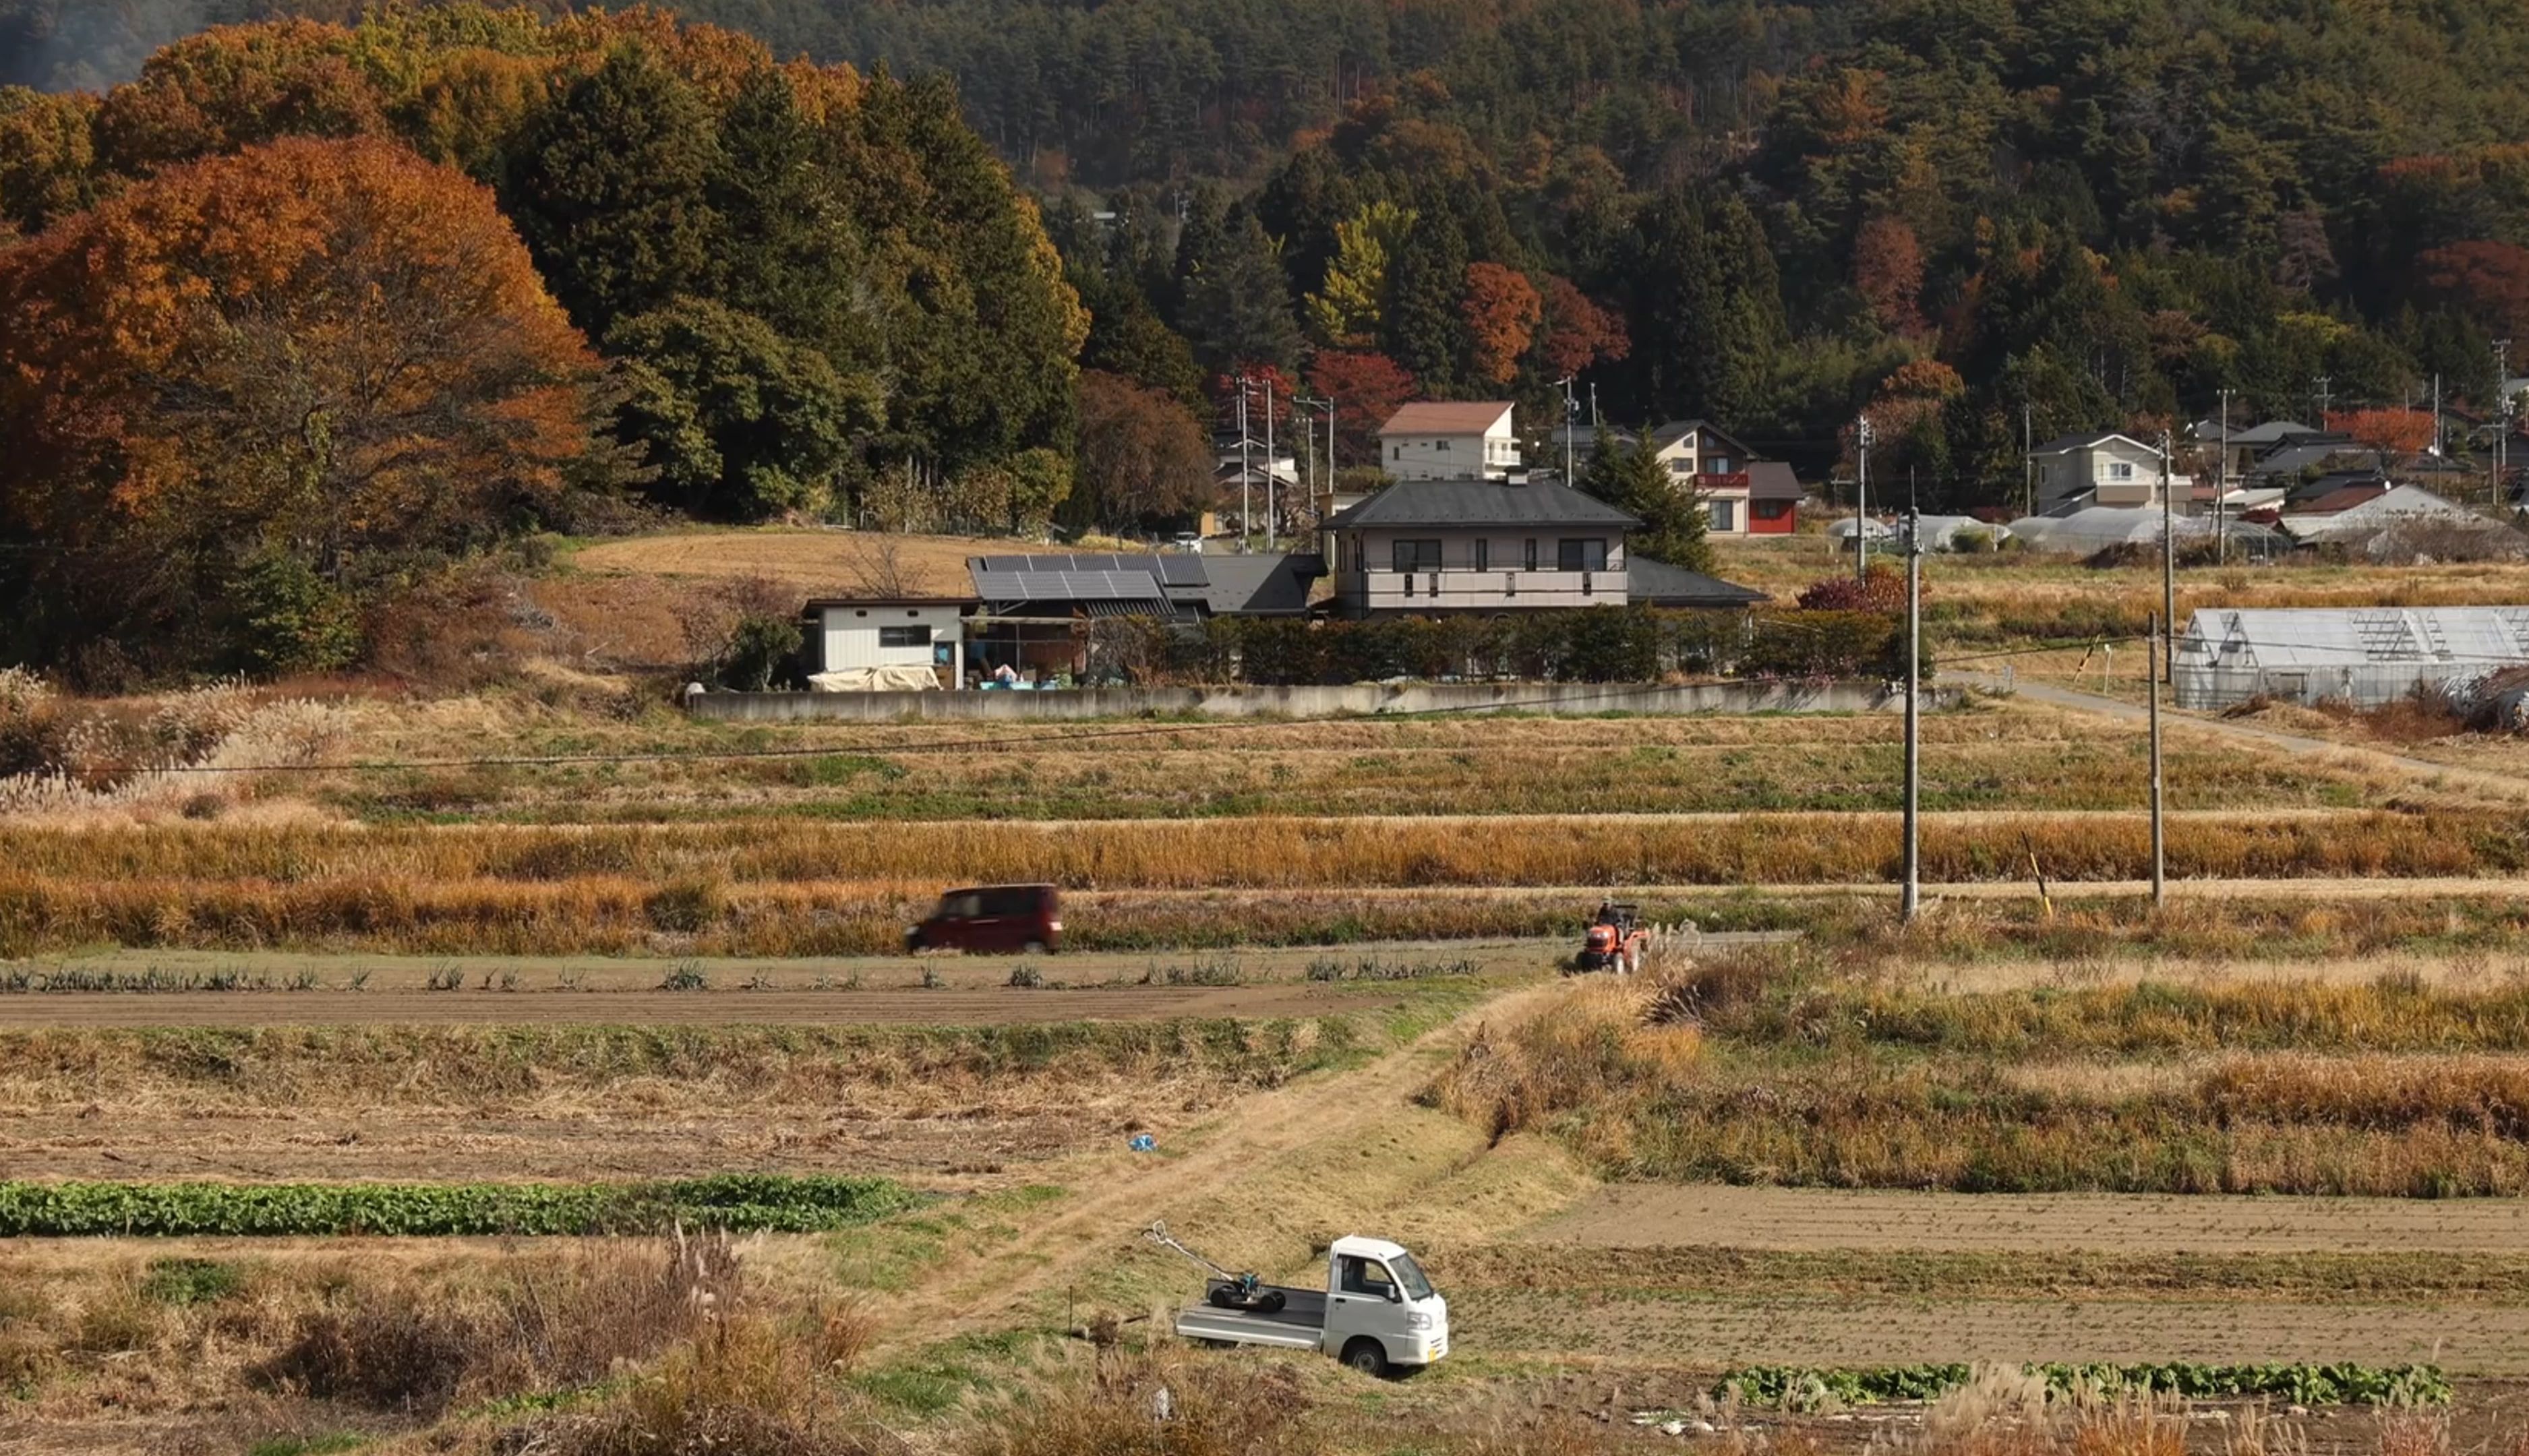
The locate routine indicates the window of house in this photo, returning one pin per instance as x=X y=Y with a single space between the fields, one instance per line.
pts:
x=1719 y=464
x=2119 y=470
x=904 y=636
x=1681 y=466
x=1725 y=514
x=1442 y=446
x=1396 y=452
x=1581 y=555
x=1417 y=556
x=1483 y=555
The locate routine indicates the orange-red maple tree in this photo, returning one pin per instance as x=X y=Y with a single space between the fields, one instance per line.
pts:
x=316 y=347
x=1501 y=309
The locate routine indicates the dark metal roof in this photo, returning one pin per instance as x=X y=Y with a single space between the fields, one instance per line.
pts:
x=1772 y=480
x=1260 y=585
x=1659 y=584
x=1480 y=503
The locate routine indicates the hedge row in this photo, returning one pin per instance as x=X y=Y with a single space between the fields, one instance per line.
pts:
x=1601 y=644
x=1797 y=1387
x=738 y=1200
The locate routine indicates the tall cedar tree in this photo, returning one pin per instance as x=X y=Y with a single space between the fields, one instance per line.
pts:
x=609 y=189
x=291 y=369
x=1632 y=477
x=1425 y=330
x=983 y=331
x=1237 y=304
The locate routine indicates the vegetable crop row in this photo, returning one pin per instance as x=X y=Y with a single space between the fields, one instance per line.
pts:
x=1799 y=1387
x=742 y=1200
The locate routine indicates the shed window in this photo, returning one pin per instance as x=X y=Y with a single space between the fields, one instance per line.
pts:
x=1483 y=555
x=904 y=636
x=1531 y=555
x=1581 y=555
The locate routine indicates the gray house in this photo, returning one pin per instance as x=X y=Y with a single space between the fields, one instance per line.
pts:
x=1430 y=545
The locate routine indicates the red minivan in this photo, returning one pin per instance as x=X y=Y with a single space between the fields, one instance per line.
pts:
x=992 y=917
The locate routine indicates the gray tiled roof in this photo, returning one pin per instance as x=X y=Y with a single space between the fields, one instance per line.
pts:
x=1659 y=584
x=1275 y=585
x=1480 y=503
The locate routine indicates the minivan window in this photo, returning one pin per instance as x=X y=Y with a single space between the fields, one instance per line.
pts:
x=1011 y=901
x=965 y=905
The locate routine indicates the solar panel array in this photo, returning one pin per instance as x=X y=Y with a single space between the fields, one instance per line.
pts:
x=1084 y=577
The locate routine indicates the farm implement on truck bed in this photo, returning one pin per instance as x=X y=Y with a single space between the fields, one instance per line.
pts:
x=1377 y=1311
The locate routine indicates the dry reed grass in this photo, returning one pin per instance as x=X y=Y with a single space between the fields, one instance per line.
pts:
x=1146 y=1404
x=546 y=1325
x=795 y=889
x=1717 y=1073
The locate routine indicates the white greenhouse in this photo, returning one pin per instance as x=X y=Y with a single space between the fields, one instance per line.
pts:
x=2365 y=656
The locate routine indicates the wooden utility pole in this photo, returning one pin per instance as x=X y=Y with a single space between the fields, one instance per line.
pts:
x=2157 y=640
x=1911 y=902
x=1246 y=471
x=2168 y=539
x=1270 y=472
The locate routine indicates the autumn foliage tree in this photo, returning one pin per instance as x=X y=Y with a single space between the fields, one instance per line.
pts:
x=1502 y=308
x=2489 y=280
x=1888 y=273
x=1367 y=388
x=2402 y=431
x=244 y=392
x=1577 y=333
x=1141 y=456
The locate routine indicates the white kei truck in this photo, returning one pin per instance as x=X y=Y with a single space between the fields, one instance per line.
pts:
x=1377 y=1311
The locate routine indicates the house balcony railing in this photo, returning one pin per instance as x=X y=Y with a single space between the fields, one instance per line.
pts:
x=1496 y=588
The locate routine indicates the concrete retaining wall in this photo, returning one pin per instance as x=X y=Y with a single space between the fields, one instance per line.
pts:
x=1847 y=695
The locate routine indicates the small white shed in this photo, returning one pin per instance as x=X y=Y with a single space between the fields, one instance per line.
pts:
x=910 y=632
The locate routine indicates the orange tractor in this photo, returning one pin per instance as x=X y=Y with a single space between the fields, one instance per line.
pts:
x=1615 y=941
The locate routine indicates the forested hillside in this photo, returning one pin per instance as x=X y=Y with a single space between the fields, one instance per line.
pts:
x=1974 y=220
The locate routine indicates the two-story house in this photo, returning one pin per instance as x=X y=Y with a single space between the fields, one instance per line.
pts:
x=1426 y=546
x=1743 y=495
x=2105 y=469
x=1435 y=440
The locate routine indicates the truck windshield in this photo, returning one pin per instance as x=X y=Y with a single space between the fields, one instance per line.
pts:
x=1418 y=1285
